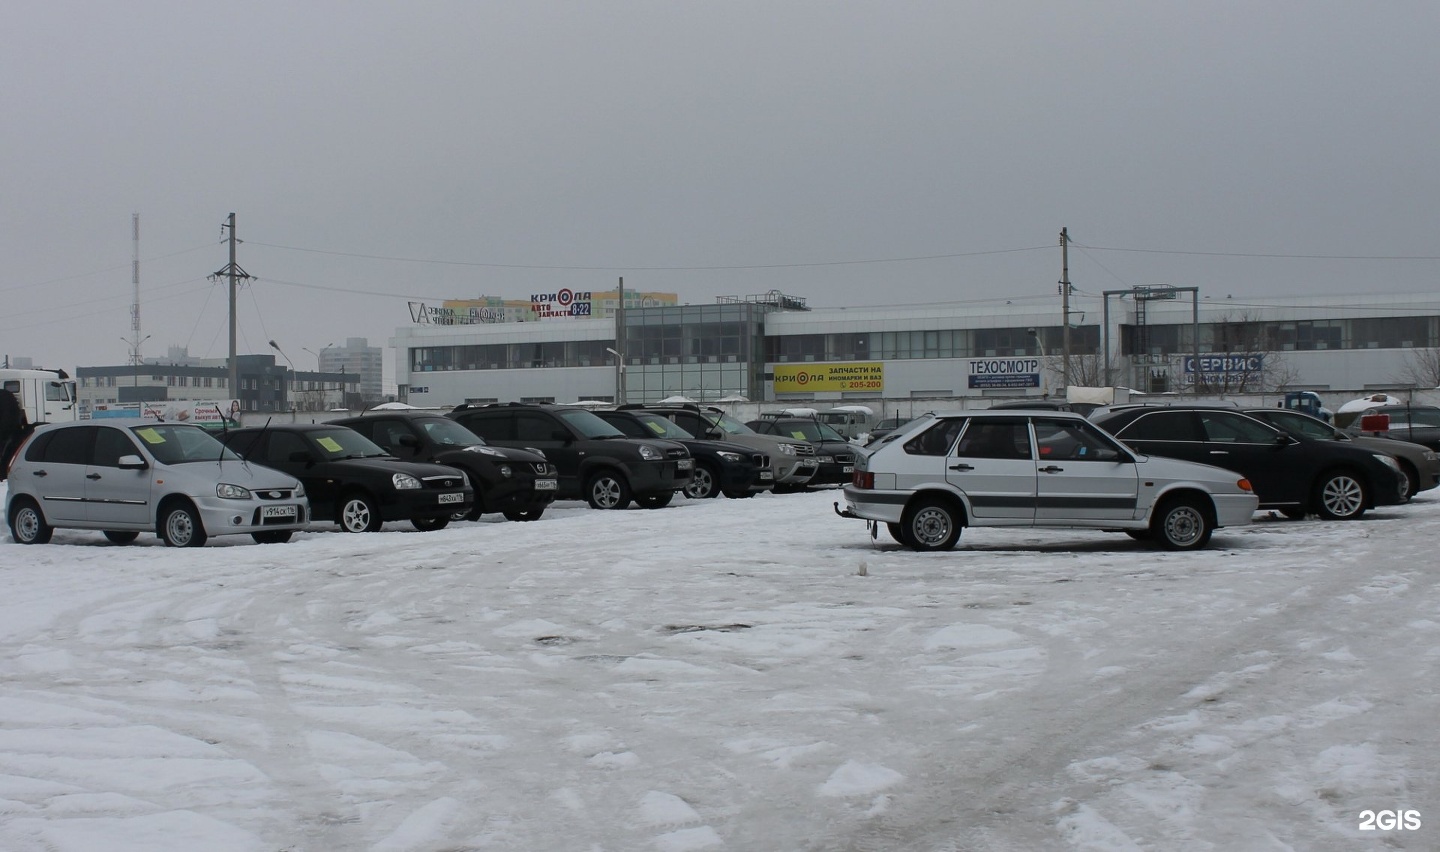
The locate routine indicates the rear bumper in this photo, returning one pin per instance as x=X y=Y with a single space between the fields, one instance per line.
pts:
x=870 y=505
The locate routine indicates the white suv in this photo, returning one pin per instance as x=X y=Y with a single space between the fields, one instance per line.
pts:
x=947 y=471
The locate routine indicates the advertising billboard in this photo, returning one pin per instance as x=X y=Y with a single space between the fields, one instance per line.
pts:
x=849 y=376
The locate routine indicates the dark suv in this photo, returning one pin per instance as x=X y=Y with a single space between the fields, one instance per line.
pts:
x=352 y=482
x=1295 y=476
x=517 y=483
x=835 y=455
x=721 y=467
x=594 y=461
x=792 y=462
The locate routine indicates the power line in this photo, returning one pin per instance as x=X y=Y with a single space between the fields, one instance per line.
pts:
x=648 y=268
x=1265 y=255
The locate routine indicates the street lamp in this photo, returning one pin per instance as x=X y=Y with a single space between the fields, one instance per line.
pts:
x=619 y=376
x=324 y=348
x=289 y=377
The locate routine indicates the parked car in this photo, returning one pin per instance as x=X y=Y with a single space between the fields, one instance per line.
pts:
x=1293 y=476
x=351 y=481
x=1033 y=469
x=128 y=476
x=792 y=463
x=594 y=461
x=517 y=483
x=1419 y=424
x=834 y=455
x=1419 y=465
x=885 y=427
x=721 y=467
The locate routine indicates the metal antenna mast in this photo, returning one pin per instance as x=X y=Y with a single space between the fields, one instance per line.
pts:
x=135 y=305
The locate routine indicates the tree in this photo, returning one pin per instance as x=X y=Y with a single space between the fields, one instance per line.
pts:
x=1421 y=369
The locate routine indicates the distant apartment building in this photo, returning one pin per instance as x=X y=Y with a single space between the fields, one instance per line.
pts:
x=264 y=385
x=357 y=358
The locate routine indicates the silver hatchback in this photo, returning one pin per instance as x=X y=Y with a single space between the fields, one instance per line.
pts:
x=1036 y=469
x=128 y=476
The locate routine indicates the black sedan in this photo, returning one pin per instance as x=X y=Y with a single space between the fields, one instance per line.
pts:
x=721 y=467
x=353 y=482
x=516 y=483
x=1295 y=476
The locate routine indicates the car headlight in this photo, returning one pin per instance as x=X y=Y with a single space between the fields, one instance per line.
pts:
x=1389 y=461
x=825 y=459
x=787 y=449
x=299 y=489
x=405 y=482
x=649 y=453
x=1430 y=456
x=226 y=491
x=730 y=457
x=505 y=471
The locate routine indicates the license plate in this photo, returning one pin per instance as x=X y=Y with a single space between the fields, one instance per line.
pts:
x=457 y=497
x=544 y=485
x=685 y=464
x=848 y=469
x=277 y=511
x=767 y=474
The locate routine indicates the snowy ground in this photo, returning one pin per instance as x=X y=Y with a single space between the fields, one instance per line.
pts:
x=729 y=675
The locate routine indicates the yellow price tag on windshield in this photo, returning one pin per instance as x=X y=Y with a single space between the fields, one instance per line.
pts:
x=799 y=436
x=150 y=436
x=330 y=445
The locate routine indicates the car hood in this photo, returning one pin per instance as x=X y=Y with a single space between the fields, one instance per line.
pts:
x=386 y=465
x=511 y=454
x=235 y=472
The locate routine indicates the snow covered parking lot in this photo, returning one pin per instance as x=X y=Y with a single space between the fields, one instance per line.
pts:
x=724 y=674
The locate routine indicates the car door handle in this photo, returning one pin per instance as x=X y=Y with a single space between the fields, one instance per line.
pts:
x=1219 y=452
x=1051 y=469
x=92 y=476
x=962 y=466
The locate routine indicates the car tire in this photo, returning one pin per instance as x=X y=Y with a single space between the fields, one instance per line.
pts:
x=1340 y=496
x=524 y=514
x=1182 y=524
x=655 y=501
x=272 y=536
x=1412 y=480
x=430 y=524
x=737 y=494
x=27 y=523
x=358 y=513
x=931 y=524
x=471 y=515
x=704 y=483
x=121 y=536
x=607 y=490
x=180 y=525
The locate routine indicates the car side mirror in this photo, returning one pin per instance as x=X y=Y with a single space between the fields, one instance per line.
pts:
x=131 y=462
x=1283 y=440
x=562 y=436
x=409 y=442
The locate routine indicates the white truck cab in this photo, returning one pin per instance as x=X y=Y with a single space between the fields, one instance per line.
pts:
x=46 y=396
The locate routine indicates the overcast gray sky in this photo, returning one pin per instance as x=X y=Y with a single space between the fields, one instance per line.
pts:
x=851 y=153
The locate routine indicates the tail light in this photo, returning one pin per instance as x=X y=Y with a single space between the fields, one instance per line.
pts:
x=863 y=479
x=1244 y=485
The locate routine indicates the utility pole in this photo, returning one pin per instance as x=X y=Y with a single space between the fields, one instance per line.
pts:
x=234 y=273
x=1065 y=307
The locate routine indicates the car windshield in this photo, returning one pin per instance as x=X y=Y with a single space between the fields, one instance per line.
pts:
x=1415 y=417
x=1301 y=425
x=807 y=430
x=173 y=443
x=663 y=427
x=448 y=433
x=588 y=425
x=342 y=443
x=730 y=426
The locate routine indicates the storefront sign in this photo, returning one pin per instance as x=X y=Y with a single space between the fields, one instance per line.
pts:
x=562 y=303
x=804 y=378
x=986 y=373
x=423 y=314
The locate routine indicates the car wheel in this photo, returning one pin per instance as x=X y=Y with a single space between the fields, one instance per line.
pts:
x=655 y=501
x=525 y=514
x=358 y=513
x=180 y=526
x=1411 y=479
x=430 y=524
x=121 y=536
x=607 y=490
x=1340 y=496
x=931 y=524
x=1182 y=524
x=272 y=536
x=27 y=524
x=703 y=483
